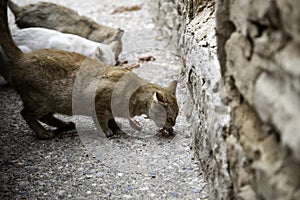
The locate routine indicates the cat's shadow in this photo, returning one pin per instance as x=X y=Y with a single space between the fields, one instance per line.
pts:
x=158 y=135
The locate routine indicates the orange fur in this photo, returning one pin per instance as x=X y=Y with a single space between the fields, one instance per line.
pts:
x=45 y=80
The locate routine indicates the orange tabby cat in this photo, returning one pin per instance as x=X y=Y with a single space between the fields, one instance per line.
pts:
x=45 y=79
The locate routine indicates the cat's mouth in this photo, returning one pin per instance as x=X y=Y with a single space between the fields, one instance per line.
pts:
x=160 y=125
x=166 y=131
x=165 y=125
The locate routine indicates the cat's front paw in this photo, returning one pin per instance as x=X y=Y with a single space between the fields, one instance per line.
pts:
x=45 y=135
x=109 y=133
x=68 y=127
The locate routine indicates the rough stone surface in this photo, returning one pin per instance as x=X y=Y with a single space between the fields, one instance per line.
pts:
x=261 y=67
x=256 y=156
x=194 y=33
x=84 y=165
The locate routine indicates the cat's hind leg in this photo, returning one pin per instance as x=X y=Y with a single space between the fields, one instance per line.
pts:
x=32 y=121
x=103 y=122
x=112 y=124
x=59 y=124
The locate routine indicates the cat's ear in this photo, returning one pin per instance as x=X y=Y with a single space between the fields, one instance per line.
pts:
x=157 y=97
x=114 y=46
x=120 y=33
x=98 y=53
x=154 y=98
x=172 y=87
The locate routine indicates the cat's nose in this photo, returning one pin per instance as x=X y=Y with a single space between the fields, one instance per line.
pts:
x=159 y=124
x=170 y=123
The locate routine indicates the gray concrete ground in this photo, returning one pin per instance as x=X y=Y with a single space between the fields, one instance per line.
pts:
x=84 y=165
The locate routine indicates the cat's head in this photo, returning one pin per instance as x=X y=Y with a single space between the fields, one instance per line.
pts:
x=163 y=109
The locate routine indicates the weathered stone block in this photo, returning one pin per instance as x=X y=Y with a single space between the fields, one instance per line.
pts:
x=238 y=49
x=289 y=59
x=289 y=12
x=279 y=105
x=262 y=61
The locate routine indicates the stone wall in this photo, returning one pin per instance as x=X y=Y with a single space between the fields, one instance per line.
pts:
x=193 y=30
x=259 y=53
x=257 y=44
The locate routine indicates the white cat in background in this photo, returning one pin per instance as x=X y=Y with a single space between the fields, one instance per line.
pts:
x=30 y=39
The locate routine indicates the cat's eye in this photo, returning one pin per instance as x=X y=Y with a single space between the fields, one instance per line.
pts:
x=170 y=120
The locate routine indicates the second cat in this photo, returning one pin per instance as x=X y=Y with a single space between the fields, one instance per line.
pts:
x=31 y=39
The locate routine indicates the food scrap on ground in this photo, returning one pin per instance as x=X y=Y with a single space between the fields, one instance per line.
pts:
x=127 y=65
x=126 y=9
x=147 y=58
x=165 y=132
x=123 y=62
x=159 y=37
x=131 y=66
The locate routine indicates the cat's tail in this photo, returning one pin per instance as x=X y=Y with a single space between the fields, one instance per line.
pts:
x=16 y=9
x=10 y=48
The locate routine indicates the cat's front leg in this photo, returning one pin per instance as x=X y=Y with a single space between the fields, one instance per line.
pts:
x=103 y=122
x=112 y=124
x=33 y=123
x=59 y=124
